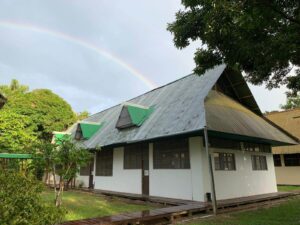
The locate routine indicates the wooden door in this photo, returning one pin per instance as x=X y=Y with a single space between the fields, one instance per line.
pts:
x=145 y=169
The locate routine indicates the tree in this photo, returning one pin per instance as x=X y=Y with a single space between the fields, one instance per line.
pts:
x=21 y=203
x=291 y=103
x=82 y=115
x=47 y=111
x=63 y=159
x=260 y=38
x=16 y=132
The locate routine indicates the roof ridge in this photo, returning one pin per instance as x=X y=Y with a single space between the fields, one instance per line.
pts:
x=147 y=92
x=283 y=111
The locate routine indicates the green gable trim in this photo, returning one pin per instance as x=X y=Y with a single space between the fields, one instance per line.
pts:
x=89 y=129
x=60 y=137
x=15 y=156
x=139 y=115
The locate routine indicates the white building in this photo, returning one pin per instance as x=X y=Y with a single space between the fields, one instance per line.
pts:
x=153 y=144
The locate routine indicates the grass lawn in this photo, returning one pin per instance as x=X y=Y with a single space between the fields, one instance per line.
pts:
x=287 y=213
x=80 y=205
x=288 y=188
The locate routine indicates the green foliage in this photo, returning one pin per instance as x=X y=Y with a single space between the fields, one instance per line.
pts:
x=260 y=38
x=20 y=202
x=63 y=159
x=16 y=132
x=292 y=103
x=286 y=213
x=46 y=111
x=82 y=205
x=82 y=115
x=68 y=158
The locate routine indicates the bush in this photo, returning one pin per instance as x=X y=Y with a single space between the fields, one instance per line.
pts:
x=21 y=203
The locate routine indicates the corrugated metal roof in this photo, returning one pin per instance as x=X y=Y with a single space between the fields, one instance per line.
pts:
x=178 y=109
x=224 y=114
x=290 y=121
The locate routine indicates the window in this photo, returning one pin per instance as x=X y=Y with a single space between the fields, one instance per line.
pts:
x=104 y=162
x=171 y=154
x=86 y=170
x=224 y=143
x=253 y=147
x=224 y=161
x=259 y=162
x=133 y=155
x=292 y=159
x=277 y=160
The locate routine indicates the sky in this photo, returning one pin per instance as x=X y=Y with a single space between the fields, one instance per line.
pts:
x=97 y=53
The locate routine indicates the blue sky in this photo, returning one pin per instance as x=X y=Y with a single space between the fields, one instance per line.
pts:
x=97 y=53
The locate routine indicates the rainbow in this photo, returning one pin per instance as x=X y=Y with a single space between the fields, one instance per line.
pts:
x=80 y=42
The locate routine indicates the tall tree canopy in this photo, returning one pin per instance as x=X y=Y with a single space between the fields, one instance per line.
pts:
x=261 y=38
x=39 y=111
x=291 y=103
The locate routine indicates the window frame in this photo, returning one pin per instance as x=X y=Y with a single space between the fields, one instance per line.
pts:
x=291 y=161
x=171 y=154
x=259 y=166
x=104 y=163
x=134 y=153
x=277 y=160
x=224 y=165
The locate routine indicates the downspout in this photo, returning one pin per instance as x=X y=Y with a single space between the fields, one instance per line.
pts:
x=212 y=180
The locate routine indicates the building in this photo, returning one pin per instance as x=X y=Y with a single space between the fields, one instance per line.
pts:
x=153 y=144
x=287 y=158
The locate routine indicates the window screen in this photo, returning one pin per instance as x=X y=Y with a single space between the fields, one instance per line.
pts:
x=254 y=147
x=292 y=159
x=277 y=160
x=224 y=143
x=86 y=170
x=259 y=162
x=171 y=154
x=133 y=155
x=104 y=162
x=224 y=161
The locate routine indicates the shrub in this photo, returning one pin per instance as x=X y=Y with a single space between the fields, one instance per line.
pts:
x=21 y=203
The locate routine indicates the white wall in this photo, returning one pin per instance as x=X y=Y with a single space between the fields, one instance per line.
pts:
x=179 y=183
x=82 y=179
x=194 y=183
x=244 y=181
x=128 y=180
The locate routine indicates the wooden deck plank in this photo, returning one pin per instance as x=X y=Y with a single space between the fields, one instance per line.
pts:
x=173 y=211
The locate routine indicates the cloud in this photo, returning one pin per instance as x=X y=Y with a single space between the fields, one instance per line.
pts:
x=133 y=30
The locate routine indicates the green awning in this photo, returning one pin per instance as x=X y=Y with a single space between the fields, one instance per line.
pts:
x=15 y=156
x=60 y=137
x=89 y=129
x=139 y=115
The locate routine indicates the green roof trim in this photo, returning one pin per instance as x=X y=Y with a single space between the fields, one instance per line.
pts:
x=60 y=137
x=138 y=115
x=15 y=156
x=89 y=129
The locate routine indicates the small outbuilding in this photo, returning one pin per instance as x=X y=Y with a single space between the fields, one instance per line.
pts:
x=287 y=158
x=154 y=145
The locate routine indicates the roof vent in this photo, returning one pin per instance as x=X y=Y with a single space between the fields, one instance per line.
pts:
x=86 y=130
x=133 y=115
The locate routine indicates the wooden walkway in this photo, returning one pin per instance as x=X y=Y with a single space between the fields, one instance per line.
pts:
x=169 y=214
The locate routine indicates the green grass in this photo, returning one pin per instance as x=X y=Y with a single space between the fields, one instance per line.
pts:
x=288 y=188
x=287 y=213
x=80 y=205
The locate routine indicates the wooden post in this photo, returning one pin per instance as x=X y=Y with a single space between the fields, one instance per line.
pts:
x=212 y=180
